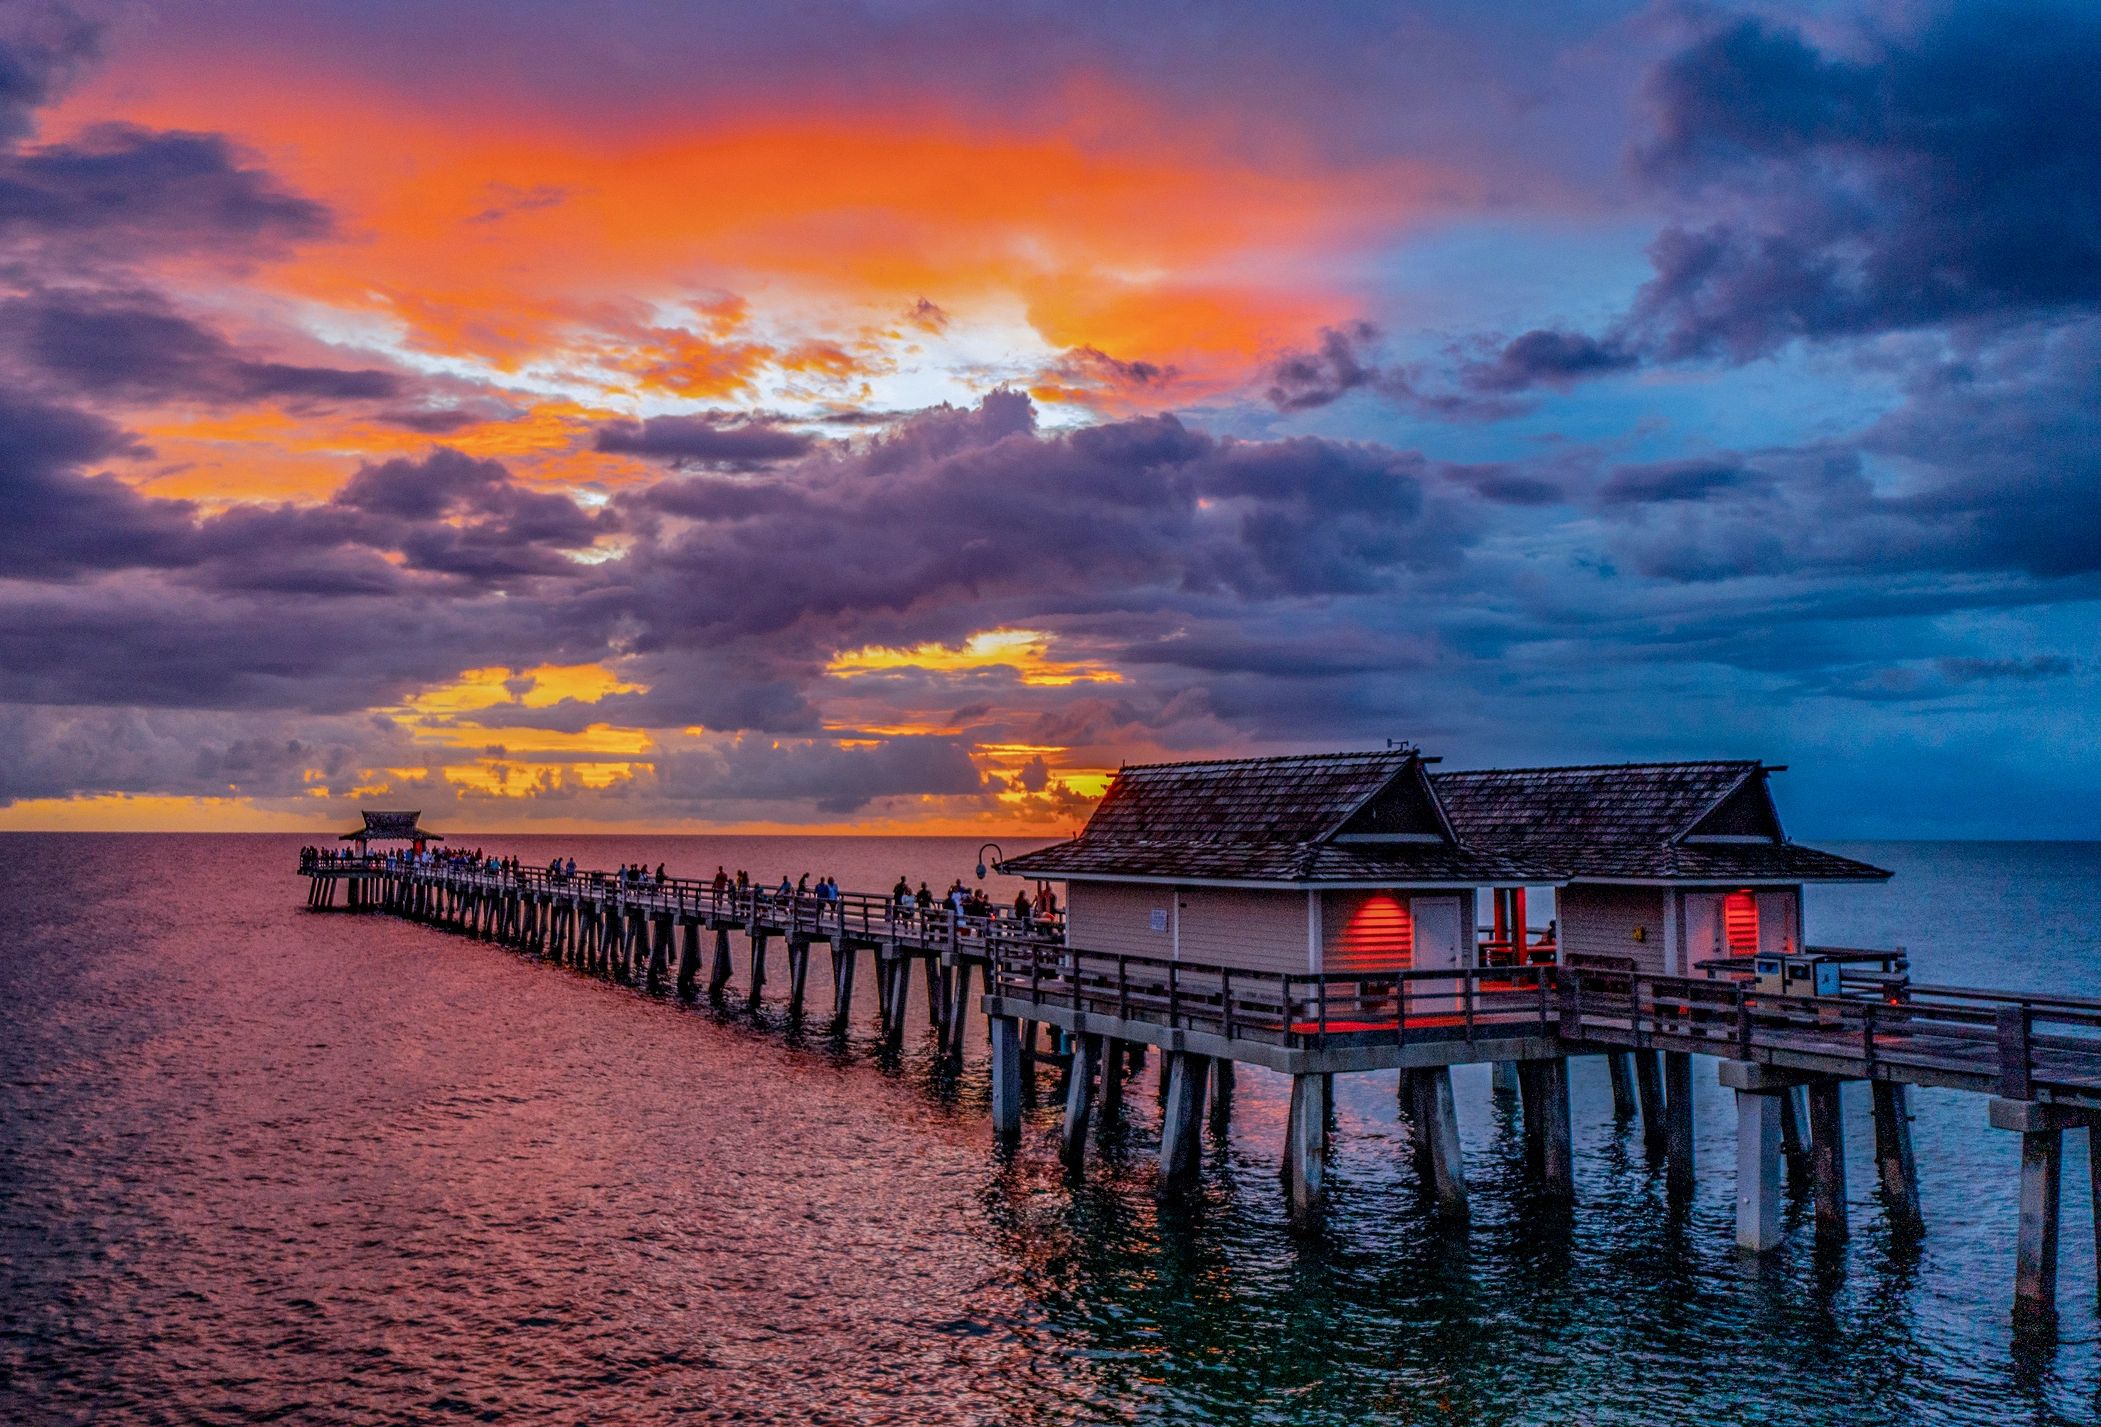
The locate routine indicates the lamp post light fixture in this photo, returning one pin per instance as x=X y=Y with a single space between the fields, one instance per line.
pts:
x=997 y=857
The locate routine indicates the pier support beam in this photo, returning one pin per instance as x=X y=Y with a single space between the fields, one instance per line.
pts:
x=1221 y=1096
x=719 y=973
x=1620 y=1066
x=1794 y=1141
x=1181 y=1120
x=1761 y=1098
x=1894 y=1162
x=2041 y=1128
x=1306 y=1150
x=1648 y=1082
x=798 y=974
x=1006 y=1078
x=1678 y=1123
x=1549 y=1141
x=659 y=952
x=844 y=957
x=1079 y=1099
x=1438 y=1164
x=958 y=988
x=1502 y=1079
x=758 y=966
x=1827 y=1159
x=688 y=957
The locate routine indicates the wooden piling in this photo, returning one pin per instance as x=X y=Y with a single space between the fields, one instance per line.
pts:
x=844 y=957
x=1549 y=1140
x=1306 y=1150
x=1079 y=1099
x=959 y=1019
x=688 y=958
x=1221 y=1096
x=1620 y=1065
x=1648 y=1082
x=1794 y=1139
x=758 y=965
x=2035 y=1251
x=1109 y=1102
x=1006 y=1079
x=1758 y=1169
x=798 y=974
x=1181 y=1123
x=659 y=951
x=1827 y=1159
x=1894 y=1162
x=1678 y=1124
x=1439 y=1166
x=719 y=973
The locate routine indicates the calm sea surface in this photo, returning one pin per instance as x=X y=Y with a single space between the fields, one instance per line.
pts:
x=259 y=1164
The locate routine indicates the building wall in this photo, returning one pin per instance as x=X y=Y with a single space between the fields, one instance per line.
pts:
x=1118 y=917
x=1243 y=928
x=1601 y=921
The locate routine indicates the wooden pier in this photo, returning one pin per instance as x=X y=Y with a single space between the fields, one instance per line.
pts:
x=2036 y=1060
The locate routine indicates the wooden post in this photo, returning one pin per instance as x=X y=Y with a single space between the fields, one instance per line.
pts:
x=1029 y=1030
x=719 y=973
x=1677 y=1109
x=1306 y=1149
x=1221 y=1095
x=1758 y=1169
x=2035 y=1254
x=1079 y=1099
x=959 y=1019
x=1894 y=1161
x=1794 y=1144
x=758 y=965
x=1110 y=1101
x=1438 y=1164
x=688 y=957
x=1549 y=1142
x=659 y=951
x=1827 y=1159
x=1648 y=1081
x=798 y=974
x=900 y=972
x=1006 y=1079
x=1620 y=1064
x=844 y=957
x=1503 y=1080
x=1182 y=1121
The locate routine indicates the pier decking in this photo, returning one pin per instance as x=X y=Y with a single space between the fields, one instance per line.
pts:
x=2037 y=1057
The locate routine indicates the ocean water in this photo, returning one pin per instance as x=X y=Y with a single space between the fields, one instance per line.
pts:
x=260 y=1164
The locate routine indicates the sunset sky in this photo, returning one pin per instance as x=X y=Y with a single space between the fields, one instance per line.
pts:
x=894 y=416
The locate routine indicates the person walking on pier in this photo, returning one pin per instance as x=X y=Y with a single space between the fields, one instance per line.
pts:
x=901 y=894
x=722 y=884
x=1023 y=911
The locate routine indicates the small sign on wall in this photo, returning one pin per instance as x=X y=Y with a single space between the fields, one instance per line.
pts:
x=1159 y=919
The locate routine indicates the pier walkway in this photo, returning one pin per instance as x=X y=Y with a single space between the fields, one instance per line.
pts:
x=2037 y=1057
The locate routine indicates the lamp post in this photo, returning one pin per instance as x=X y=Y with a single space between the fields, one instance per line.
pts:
x=998 y=857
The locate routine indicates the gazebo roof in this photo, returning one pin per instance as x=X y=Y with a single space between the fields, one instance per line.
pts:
x=392 y=827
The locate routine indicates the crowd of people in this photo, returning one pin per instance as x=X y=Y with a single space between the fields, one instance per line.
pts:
x=971 y=902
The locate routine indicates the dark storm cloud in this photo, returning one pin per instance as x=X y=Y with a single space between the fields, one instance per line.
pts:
x=1951 y=173
x=133 y=347
x=1677 y=481
x=1344 y=360
x=1545 y=357
x=41 y=48
x=712 y=439
x=834 y=778
x=121 y=194
x=59 y=523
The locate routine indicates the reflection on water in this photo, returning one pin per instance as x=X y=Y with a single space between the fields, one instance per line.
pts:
x=263 y=1164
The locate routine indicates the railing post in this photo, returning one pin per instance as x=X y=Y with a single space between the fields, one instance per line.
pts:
x=1320 y=1002
x=1743 y=1022
x=1225 y=991
x=1867 y=1033
x=1174 y=997
x=1539 y=977
x=1570 y=985
x=1123 y=987
x=2015 y=1082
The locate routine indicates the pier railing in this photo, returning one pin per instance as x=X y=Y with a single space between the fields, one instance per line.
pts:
x=2019 y=1045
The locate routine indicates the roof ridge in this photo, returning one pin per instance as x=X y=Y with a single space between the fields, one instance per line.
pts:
x=1275 y=758
x=1605 y=767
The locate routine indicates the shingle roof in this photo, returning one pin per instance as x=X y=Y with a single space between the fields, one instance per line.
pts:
x=1258 y=820
x=1273 y=820
x=1387 y=864
x=1617 y=803
x=1279 y=800
x=1628 y=821
x=391 y=827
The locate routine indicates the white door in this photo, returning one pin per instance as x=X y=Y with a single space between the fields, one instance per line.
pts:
x=1439 y=937
x=1703 y=933
x=1778 y=919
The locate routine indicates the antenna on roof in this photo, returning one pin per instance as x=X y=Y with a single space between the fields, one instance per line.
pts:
x=1401 y=745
